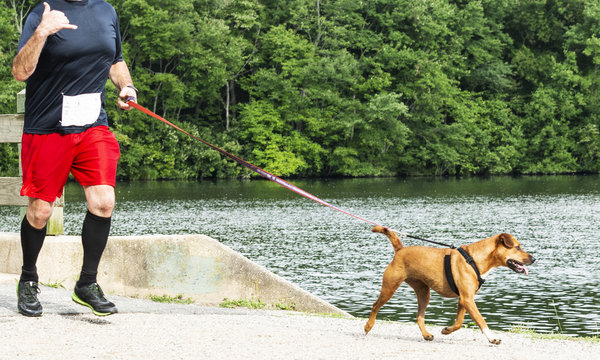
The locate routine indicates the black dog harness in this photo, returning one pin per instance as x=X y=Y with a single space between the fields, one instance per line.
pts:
x=448 y=270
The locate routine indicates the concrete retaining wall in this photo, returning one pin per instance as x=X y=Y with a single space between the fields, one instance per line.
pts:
x=196 y=266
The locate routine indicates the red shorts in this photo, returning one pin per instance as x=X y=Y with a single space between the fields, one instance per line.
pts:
x=47 y=159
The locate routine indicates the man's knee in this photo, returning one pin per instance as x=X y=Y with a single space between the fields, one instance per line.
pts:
x=100 y=199
x=38 y=212
x=104 y=207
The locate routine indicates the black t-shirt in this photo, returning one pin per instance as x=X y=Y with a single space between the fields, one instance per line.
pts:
x=72 y=62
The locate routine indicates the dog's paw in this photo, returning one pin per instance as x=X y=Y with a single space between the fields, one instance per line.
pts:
x=428 y=337
x=491 y=336
x=446 y=331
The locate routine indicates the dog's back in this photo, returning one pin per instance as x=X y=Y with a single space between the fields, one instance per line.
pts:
x=419 y=262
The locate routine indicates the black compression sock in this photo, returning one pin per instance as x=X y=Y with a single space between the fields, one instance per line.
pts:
x=94 y=237
x=32 y=240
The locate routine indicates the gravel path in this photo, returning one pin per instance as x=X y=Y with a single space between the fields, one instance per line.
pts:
x=148 y=330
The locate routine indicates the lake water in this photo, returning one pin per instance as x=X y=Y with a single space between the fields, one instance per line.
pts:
x=336 y=257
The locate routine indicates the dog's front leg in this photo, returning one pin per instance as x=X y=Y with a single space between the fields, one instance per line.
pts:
x=460 y=316
x=469 y=304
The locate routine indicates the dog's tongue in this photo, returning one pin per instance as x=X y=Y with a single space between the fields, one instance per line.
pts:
x=526 y=272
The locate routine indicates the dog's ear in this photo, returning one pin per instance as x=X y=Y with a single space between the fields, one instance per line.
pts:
x=506 y=240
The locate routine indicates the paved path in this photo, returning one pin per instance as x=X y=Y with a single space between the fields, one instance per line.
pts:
x=148 y=330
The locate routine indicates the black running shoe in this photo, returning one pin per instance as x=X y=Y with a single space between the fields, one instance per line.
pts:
x=93 y=297
x=28 y=303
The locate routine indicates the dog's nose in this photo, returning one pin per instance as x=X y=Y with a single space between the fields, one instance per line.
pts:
x=532 y=259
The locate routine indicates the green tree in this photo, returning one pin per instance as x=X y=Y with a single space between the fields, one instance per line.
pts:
x=353 y=88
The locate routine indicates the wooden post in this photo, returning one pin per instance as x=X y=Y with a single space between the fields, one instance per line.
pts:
x=55 y=223
x=21 y=102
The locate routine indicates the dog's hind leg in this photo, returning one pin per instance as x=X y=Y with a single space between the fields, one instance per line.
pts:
x=392 y=278
x=423 y=296
x=460 y=316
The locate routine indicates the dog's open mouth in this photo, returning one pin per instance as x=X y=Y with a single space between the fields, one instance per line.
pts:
x=517 y=267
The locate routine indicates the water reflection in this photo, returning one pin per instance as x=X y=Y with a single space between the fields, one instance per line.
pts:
x=337 y=257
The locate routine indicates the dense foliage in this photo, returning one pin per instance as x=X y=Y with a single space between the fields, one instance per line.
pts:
x=352 y=88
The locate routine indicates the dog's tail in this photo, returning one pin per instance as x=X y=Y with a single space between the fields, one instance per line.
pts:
x=394 y=239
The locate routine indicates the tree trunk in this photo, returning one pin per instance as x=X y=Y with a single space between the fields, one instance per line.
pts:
x=227 y=99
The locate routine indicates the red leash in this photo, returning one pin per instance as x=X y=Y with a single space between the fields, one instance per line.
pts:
x=268 y=175
x=250 y=166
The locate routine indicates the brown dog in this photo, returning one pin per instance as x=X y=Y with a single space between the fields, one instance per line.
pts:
x=422 y=268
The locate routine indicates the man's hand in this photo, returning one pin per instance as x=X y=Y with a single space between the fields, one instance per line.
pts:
x=119 y=75
x=126 y=93
x=53 y=21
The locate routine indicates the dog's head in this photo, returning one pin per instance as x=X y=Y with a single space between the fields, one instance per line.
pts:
x=512 y=254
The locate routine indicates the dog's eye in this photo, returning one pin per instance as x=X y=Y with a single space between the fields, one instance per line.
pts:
x=518 y=248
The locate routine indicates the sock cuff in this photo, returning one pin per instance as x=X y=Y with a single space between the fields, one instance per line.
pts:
x=91 y=216
x=86 y=277
x=27 y=226
x=29 y=274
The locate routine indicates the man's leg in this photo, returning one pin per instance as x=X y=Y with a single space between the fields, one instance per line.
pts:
x=46 y=163
x=96 y=227
x=33 y=232
x=95 y=168
x=94 y=236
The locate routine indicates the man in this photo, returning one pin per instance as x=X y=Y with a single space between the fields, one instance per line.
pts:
x=67 y=50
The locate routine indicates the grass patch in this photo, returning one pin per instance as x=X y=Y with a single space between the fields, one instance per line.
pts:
x=286 y=306
x=470 y=325
x=524 y=330
x=334 y=316
x=557 y=317
x=179 y=299
x=54 y=285
x=250 y=304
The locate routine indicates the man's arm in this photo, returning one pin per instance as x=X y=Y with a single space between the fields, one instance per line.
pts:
x=119 y=75
x=26 y=60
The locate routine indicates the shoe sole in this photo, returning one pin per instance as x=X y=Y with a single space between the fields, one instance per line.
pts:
x=76 y=299
x=30 y=315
